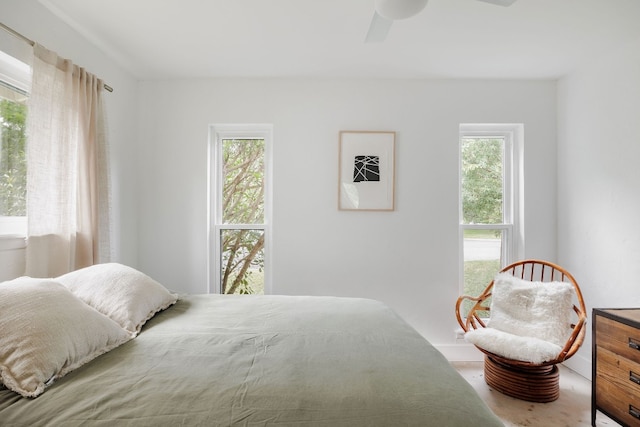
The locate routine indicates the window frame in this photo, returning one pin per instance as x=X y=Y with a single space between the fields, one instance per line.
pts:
x=512 y=247
x=14 y=75
x=218 y=133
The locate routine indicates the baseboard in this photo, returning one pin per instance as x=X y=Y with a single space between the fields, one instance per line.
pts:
x=461 y=353
x=580 y=364
x=469 y=353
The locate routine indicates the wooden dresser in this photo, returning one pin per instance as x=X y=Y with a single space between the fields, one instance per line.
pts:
x=615 y=386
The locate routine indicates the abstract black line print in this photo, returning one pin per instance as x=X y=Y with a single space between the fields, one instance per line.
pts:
x=366 y=168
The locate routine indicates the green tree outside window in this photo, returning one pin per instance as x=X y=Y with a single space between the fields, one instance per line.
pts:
x=13 y=166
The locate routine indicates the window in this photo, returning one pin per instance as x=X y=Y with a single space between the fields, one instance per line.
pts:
x=240 y=209
x=490 y=230
x=15 y=78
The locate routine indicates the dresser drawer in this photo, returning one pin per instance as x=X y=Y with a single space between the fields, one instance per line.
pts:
x=619 y=371
x=619 y=338
x=617 y=388
x=618 y=403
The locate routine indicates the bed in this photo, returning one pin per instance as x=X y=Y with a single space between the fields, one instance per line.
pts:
x=222 y=360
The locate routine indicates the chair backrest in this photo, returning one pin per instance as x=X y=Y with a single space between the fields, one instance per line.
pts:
x=531 y=270
x=538 y=270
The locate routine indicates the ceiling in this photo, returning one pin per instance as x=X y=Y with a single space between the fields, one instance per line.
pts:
x=166 y=39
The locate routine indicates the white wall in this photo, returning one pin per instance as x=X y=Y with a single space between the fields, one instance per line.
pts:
x=599 y=180
x=160 y=181
x=406 y=258
x=160 y=174
x=34 y=21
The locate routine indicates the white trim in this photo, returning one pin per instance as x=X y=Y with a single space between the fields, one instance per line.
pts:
x=17 y=75
x=10 y=242
x=469 y=353
x=581 y=365
x=460 y=352
x=13 y=226
x=513 y=135
x=241 y=226
x=217 y=132
x=15 y=72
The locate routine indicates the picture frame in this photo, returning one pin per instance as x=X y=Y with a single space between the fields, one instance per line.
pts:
x=366 y=171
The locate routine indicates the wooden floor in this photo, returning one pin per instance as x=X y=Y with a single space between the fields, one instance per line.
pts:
x=572 y=409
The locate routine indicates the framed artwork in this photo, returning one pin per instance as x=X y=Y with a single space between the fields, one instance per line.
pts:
x=366 y=171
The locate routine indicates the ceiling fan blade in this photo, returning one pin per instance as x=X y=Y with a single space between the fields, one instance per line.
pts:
x=399 y=9
x=500 y=2
x=378 y=29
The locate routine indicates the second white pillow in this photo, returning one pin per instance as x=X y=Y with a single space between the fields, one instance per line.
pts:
x=122 y=293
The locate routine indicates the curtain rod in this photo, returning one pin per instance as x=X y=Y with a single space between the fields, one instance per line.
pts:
x=32 y=43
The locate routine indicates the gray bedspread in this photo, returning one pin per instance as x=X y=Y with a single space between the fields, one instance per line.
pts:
x=215 y=360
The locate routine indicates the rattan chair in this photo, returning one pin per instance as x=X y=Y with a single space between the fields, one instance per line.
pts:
x=516 y=378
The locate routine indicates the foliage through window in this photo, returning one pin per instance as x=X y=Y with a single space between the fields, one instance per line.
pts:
x=13 y=166
x=15 y=77
x=488 y=199
x=239 y=211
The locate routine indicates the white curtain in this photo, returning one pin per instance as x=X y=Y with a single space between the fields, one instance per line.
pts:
x=67 y=171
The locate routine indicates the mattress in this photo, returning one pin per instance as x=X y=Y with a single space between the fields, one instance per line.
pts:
x=223 y=360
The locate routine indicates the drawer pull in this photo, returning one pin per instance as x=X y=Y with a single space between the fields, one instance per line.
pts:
x=634 y=344
x=634 y=412
x=634 y=377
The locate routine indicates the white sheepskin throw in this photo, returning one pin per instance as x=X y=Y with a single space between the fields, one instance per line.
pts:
x=529 y=321
x=514 y=347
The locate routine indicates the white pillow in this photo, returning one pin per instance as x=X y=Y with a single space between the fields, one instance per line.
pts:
x=46 y=332
x=532 y=309
x=122 y=293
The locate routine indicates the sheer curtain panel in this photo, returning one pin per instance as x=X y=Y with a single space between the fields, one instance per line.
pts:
x=67 y=170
